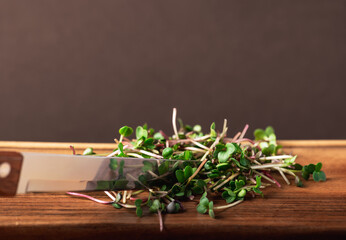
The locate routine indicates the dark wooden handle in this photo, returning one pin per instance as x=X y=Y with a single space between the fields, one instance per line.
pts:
x=10 y=167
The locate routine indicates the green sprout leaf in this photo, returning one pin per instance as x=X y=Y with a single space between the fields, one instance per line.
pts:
x=167 y=153
x=258 y=181
x=197 y=128
x=319 y=176
x=125 y=131
x=259 y=134
x=141 y=133
x=242 y=193
x=179 y=174
x=113 y=164
x=187 y=172
x=318 y=167
x=158 y=136
x=223 y=156
x=213 y=133
x=88 y=151
x=211 y=209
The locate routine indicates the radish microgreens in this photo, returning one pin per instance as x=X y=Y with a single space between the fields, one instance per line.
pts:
x=199 y=164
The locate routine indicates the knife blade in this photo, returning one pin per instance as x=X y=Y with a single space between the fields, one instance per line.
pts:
x=44 y=172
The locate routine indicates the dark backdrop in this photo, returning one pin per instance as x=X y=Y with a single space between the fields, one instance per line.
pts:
x=77 y=70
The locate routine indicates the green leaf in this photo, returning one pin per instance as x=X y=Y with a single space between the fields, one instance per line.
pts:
x=242 y=193
x=290 y=161
x=257 y=190
x=120 y=184
x=138 y=202
x=148 y=166
x=208 y=165
x=197 y=128
x=298 y=182
x=116 y=205
x=201 y=209
x=244 y=162
x=269 y=130
x=213 y=133
x=204 y=202
x=268 y=151
x=223 y=156
x=297 y=166
x=164 y=167
x=305 y=174
x=113 y=164
x=179 y=174
x=239 y=184
x=318 y=167
x=228 y=195
x=121 y=168
x=319 y=176
x=201 y=183
x=158 y=136
x=204 y=195
x=167 y=153
x=121 y=149
x=211 y=209
x=188 y=155
x=88 y=151
x=126 y=131
x=103 y=185
x=258 y=181
x=155 y=206
x=187 y=172
x=149 y=143
x=259 y=134
x=141 y=133
x=188 y=128
x=310 y=168
x=197 y=190
x=223 y=166
x=139 y=212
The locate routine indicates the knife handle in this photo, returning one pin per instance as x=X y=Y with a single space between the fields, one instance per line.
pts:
x=10 y=167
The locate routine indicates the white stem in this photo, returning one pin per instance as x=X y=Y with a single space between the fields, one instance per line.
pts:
x=195 y=149
x=283 y=176
x=288 y=171
x=134 y=155
x=150 y=154
x=229 y=205
x=264 y=176
x=224 y=125
x=267 y=166
x=174 y=117
x=276 y=157
x=202 y=138
x=113 y=153
x=110 y=196
x=244 y=131
x=124 y=196
x=200 y=145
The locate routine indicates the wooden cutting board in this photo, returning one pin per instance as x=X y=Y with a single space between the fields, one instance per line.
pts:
x=317 y=210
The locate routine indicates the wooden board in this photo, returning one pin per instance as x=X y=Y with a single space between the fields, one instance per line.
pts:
x=317 y=210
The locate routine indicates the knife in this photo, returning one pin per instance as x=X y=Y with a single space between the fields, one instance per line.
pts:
x=22 y=172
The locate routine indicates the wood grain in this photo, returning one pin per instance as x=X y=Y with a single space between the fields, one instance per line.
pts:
x=316 y=211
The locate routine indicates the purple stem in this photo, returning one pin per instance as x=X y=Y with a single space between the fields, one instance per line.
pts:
x=271 y=177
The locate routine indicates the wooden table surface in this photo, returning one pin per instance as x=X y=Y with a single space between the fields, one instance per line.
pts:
x=317 y=210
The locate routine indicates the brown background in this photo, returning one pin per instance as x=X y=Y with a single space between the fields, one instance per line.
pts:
x=78 y=70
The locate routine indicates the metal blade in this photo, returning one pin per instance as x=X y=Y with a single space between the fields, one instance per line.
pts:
x=56 y=172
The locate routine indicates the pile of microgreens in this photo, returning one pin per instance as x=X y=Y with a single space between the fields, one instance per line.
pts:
x=201 y=164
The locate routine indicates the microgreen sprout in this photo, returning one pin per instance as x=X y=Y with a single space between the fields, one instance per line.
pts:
x=199 y=164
